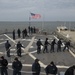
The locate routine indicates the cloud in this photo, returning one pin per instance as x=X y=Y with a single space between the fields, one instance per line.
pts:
x=51 y=9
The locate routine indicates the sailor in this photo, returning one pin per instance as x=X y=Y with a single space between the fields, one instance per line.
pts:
x=36 y=67
x=67 y=45
x=17 y=66
x=13 y=34
x=19 y=45
x=46 y=45
x=59 y=43
x=70 y=70
x=19 y=33
x=39 y=43
x=7 y=46
x=23 y=34
x=0 y=65
x=4 y=64
x=52 y=45
x=51 y=69
x=31 y=30
x=34 y=30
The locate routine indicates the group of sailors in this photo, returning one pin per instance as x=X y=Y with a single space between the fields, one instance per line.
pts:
x=36 y=68
x=39 y=44
x=32 y=29
x=52 y=44
x=18 y=47
x=16 y=66
x=50 y=69
x=24 y=32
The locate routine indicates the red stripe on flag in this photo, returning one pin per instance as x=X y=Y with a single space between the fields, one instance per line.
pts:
x=35 y=16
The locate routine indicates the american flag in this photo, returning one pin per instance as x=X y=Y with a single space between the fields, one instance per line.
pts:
x=35 y=16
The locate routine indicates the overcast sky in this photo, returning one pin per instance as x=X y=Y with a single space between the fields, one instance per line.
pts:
x=50 y=10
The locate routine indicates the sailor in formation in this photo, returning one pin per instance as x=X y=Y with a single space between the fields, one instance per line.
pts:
x=19 y=45
x=39 y=43
x=46 y=46
x=7 y=46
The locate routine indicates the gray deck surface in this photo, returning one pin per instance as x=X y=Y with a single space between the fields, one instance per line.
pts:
x=62 y=59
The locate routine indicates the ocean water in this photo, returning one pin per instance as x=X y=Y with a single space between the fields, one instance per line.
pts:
x=47 y=26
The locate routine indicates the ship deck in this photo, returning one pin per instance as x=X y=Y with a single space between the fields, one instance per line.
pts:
x=62 y=59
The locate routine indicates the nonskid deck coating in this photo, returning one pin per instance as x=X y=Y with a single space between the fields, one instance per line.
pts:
x=62 y=59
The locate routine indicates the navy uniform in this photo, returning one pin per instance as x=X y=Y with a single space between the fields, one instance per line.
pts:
x=17 y=66
x=67 y=45
x=4 y=64
x=19 y=33
x=0 y=65
x=19 y=45
x=34 y=30
x=59 y=43
x=7 y=46
x=70 y=70
x=36 y=67
x=31 y=30
x=23 y=34
x=46 y=45
x=39 y=46
x=51 y=69
x=13 y=34
x=52 y=45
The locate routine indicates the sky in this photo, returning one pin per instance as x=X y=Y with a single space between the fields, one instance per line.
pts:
x=50 y=10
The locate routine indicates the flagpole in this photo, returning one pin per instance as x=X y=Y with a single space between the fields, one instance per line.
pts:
x=42 y=23
x=29 y=18
x=29 y=21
